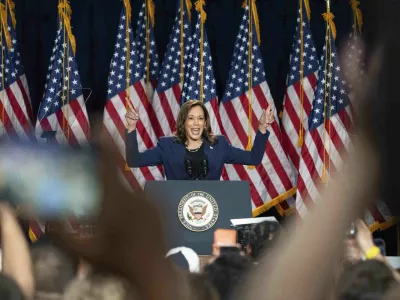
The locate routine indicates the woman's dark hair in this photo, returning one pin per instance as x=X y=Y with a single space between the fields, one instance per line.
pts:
x=180 y=134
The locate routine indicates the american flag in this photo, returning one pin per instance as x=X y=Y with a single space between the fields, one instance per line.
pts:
x=15 y=106
x=327 y=142
x=199 y=81
x=377 y=216
x=63 y=108
x=133 y=74
x=274 y=180
x=166 y=101
x=301 y=83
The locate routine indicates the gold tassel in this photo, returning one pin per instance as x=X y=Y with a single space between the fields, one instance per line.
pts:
x=328 y=17
x=11 y=8
x=357 y=14
x=128 y=9
x=4 y=25
x=32 y=236
x=308 y=9
x=151 y=8
x=65 y=12
x=189 y=9
x=300 y=140
x=199 y=7
x=323 y=177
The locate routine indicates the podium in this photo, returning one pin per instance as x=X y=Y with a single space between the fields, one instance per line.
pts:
x=192 y=210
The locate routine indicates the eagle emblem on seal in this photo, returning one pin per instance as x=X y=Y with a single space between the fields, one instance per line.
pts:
x=198 y=211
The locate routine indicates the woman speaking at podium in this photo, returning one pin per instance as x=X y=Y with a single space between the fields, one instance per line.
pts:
x=194 y=152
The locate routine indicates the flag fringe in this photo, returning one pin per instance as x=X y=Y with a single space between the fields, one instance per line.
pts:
x=285 y=212
x=273 y=202
x=65 y=12
x=383 y=226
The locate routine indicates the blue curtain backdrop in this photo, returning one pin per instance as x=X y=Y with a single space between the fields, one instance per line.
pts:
x=95 y=26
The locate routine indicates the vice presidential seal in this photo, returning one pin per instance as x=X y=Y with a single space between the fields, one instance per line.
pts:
x=198 y=211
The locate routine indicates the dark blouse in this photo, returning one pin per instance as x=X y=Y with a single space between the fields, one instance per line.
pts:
x=197 y=165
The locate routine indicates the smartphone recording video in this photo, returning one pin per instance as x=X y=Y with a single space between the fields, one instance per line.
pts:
x=49 y=180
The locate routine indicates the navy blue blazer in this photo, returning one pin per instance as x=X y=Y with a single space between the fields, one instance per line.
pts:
x=170 y=153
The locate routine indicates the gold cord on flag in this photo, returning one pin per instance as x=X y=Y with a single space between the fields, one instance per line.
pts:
x=300 y=140
x=328 y=17
x=11 y=8
x=4 y=24
x=357 y=16
x=330 y=29
x=149 y=12
x=199 y=7
x=65 y=12
x=251 y=17
x=128 y=16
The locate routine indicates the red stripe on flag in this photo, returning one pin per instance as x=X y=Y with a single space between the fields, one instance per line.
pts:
x=65 y=126
x=150 y=112
x=19 y=113
x=26 y=100
x=270 y=152
x=80 y=117
x=169 y=116
x=5 y=119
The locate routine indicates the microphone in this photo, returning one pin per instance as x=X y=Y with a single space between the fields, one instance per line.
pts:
x=204 y=166
x=188 y=168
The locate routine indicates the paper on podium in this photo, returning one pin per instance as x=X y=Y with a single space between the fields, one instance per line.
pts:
x=247 y=221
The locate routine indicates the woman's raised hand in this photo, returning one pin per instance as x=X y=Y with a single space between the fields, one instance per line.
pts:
x=132 y=117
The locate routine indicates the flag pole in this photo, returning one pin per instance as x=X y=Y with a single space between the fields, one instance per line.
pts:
x=181 y=7
x=128 y=16
x=149 y=12
x=182 y=46
x=199 y=7
x=127 y=5
x=2 y=72
x=327 y=17
x=250 y=78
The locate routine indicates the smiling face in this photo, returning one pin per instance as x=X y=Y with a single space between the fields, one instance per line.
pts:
x=195 y=123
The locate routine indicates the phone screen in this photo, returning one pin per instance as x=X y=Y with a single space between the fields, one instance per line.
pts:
x=50 y=180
